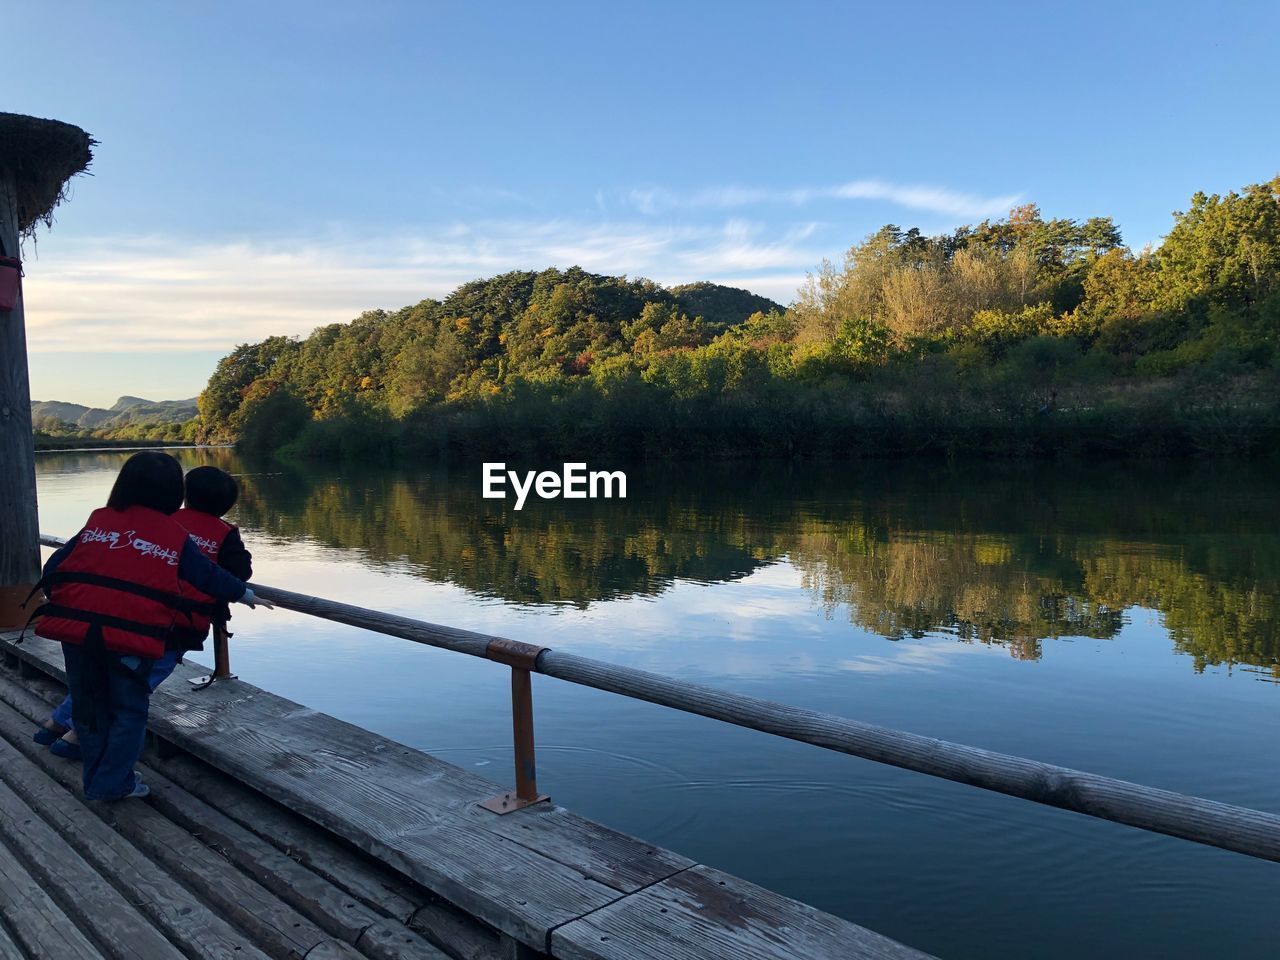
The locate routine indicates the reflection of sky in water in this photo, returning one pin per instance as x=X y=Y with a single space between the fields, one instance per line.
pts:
x=946 y=868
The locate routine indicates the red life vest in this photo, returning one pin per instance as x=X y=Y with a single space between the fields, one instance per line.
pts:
x=122 y=576
x=208 y=532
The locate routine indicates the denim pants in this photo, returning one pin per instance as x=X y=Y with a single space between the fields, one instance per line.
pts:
x=118 y=703
x=160 y=670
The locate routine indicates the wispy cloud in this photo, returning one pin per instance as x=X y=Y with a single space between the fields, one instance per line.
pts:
x=937 y=200
x=162 y=293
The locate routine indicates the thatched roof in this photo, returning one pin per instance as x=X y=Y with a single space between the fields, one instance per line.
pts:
x=41 y=156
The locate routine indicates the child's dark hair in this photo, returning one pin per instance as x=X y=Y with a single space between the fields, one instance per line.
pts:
x=148 y=479
x=211 y=490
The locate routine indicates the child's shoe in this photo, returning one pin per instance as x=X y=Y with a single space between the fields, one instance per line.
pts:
x=65 y=750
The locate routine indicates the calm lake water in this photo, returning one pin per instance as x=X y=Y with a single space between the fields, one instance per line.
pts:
x=1120 y=620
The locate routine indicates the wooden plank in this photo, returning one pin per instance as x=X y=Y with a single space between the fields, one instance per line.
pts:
x=328 y=907
x=456 y=934
x=330 y=950
x=392 y=940
x=325 y=905
x=41 y=653
x=369 y=881
x=591 y=849
x=379 y=937
x=620 y=861
x=409 y=809
x=271 y=923
x=392 y=802
x=280 y=929
x=342 y=786
x=8 y=949
x=94 y=904
x=38 y=924
x=704 y=913
x=184 y=919
x=612 y=858
x=33 y=705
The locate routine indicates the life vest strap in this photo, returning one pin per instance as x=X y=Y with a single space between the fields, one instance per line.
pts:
x=102 y=620
x=181 y=604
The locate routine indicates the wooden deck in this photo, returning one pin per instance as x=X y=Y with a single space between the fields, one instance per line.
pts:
x=277 y=831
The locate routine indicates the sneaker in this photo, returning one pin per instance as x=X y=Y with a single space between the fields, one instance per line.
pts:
x=44 y=736
x=65 y=750
x=140 y=789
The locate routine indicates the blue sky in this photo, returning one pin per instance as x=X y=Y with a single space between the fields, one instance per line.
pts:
x=268 y=167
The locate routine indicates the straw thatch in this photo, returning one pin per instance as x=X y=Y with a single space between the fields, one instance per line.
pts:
x=41 y=156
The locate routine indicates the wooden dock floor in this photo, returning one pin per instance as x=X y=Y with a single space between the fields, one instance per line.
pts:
x=277 y=831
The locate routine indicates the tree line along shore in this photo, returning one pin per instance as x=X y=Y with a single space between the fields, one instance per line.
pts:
x=1017 y=337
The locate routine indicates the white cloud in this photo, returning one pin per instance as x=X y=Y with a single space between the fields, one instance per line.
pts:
x=162 y=293
x=167 y=293
x=929 y=654
x=938 y=200
x=933 y=199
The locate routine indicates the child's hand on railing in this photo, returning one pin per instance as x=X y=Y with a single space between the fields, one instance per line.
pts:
x=251 y=600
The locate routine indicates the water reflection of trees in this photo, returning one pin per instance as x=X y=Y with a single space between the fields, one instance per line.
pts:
x=557 y=553
x=1006 y=556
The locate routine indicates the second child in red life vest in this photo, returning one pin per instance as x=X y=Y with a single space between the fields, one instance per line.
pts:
x=210 y=493
x=119 y=592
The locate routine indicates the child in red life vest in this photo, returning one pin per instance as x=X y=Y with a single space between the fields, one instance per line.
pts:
x=210 y=493
x=119 y=592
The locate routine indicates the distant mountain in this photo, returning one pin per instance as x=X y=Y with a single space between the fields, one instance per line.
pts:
x=125 y=411
x=124 y=403
x=59 y=410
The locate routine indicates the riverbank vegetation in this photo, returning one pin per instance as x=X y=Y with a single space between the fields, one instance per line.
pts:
x=1020 y=337
x=44 y=441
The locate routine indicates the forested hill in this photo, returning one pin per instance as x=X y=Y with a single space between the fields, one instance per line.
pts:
x=1024 y=336
x=487 y=331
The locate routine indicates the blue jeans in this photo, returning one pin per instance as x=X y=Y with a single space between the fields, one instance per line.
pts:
x=117 y=699
x=160 y=670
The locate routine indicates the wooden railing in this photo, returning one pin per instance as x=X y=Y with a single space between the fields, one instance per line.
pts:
x=1252 y=832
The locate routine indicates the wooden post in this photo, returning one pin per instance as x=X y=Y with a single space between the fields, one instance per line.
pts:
x=19 y=521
